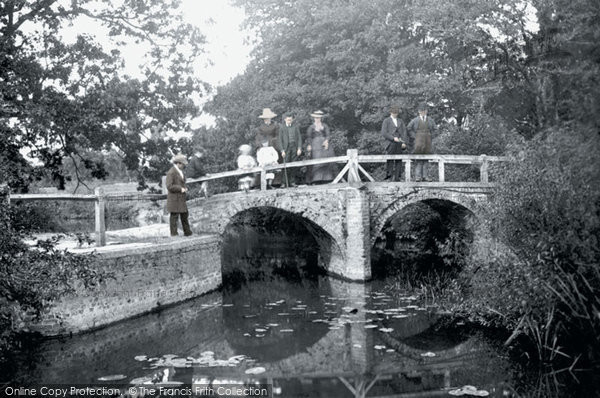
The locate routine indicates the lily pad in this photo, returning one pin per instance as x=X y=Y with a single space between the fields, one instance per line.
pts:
x=112 y=378
x=255 y=371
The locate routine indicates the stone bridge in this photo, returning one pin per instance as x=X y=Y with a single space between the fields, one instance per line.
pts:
x=345 y=219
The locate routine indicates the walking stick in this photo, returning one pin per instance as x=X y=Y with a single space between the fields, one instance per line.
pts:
x=287 y=184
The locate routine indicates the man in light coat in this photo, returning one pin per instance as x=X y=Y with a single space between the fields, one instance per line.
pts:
x=176 y=196
x=422 y=128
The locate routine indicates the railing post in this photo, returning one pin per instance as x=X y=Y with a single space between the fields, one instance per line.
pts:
x=407 y=176
x=353 y=176
x=163 y=185
x=483 y=170
x=99 y=215
x=263 y=180
x=441 y=171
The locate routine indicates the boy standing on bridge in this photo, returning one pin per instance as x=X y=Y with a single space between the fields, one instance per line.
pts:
x=176 y=196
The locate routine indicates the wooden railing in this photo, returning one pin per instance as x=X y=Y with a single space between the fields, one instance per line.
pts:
x=99 y=198
x=350 y=173
x=352 y=170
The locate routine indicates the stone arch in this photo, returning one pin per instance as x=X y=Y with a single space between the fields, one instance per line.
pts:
x=331 y=254
x=471 y=202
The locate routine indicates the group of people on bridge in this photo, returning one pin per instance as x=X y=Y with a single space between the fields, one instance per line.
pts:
x=282 y=143
x=277 y=143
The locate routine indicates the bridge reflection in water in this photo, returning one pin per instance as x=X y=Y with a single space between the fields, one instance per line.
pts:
x=310 y=336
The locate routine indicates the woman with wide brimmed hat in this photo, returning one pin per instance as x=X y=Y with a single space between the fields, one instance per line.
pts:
x=318 y=135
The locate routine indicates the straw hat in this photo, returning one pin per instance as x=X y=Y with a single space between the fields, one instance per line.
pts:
x=267 y=114
x=318 y=114
x=179 y=158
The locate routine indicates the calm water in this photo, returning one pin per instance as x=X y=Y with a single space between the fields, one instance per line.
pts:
x=310 y=336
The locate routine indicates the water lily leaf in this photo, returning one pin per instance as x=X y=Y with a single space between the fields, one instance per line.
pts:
x=286 y=330
x=112 y=377
x=379 y=347
x=386 y=330
x=141 y=380
x=370 y=326
x=428 y=354
x=255 y=371
x=140 y=358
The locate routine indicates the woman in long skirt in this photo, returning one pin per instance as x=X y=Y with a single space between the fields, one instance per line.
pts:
x=318 y=147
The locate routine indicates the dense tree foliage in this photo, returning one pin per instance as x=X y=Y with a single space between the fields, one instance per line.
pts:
x=354 y=58
x=69 y=98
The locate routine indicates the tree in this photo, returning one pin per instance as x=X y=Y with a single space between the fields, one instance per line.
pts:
x=60 y=99
x=354 y=58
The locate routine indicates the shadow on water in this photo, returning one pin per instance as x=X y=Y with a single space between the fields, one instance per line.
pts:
x=278 y=319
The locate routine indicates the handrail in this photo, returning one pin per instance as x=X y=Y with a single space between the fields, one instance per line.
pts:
x=352 y=170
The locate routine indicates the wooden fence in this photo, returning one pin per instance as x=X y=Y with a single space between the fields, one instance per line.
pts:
x=351 y=173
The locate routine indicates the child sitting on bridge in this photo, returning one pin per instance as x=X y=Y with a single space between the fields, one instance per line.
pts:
x=245 y=161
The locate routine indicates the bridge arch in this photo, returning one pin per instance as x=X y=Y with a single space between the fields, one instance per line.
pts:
x=322 y=211
x=470 y=202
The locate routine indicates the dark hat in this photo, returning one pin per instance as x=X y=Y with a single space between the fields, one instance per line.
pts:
x=288 y=114
x=394 y=109
x=422 y=106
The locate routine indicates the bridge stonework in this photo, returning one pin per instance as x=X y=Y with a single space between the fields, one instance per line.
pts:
x=344 y=219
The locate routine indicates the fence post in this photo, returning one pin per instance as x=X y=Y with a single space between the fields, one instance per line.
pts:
x=407 y=164
x=263 y=180
x=483 y=171
x=441 y=171
x=99 y=206
x=163 y=185
x=353 y=176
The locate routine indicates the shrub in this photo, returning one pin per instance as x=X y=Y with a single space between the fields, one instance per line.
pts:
x=546 y=210
x=33 y=277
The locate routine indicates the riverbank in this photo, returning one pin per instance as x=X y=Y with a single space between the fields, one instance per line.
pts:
x=148 y=270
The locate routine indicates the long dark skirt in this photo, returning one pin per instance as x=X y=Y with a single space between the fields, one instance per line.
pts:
x=323 y=172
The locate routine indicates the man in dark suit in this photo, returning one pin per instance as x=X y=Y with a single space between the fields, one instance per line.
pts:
x=290 y=142
x=176 y=196
x=394 y=131
x=422 y=128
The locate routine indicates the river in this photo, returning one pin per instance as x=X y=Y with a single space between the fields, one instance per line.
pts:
x=303 y=333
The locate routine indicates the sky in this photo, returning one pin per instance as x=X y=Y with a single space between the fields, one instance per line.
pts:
x=218 y=20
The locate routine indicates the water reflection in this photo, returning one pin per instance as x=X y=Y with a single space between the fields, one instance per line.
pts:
x=311 y=336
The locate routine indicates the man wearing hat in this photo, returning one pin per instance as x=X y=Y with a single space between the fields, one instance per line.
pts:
x=422 y=129
x=394 y=131
x=290 y=143
x=176 y=196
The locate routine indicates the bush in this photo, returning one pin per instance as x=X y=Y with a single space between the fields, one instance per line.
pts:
x=546 y=210
x=31 y=278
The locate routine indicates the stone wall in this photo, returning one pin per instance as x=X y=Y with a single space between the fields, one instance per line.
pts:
x=146 y=277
